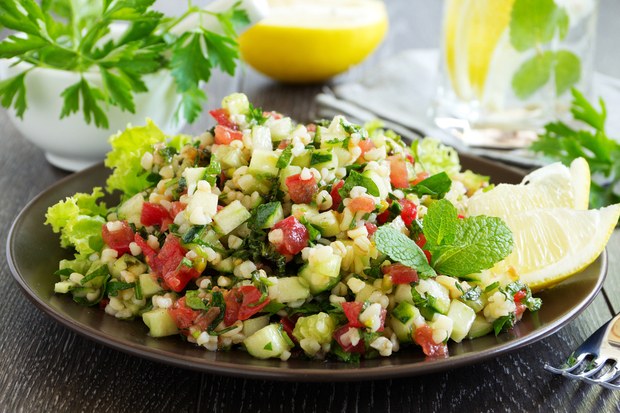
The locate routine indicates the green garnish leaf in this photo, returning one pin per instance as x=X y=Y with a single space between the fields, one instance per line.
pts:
x=113 y=287
x=320 y=157
x=357 y=179
x=13 y=92
x=400 y=248
x=536 y=22
x=533 y=74
x=264 y=212
x=193 y=301
x=436 y=186
x=285 y=157
x=440 y=222
x=567 y=71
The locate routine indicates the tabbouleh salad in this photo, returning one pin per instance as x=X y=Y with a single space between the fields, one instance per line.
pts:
x=326 y=240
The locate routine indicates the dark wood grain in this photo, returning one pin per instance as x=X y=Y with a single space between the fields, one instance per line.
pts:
x=46 y=368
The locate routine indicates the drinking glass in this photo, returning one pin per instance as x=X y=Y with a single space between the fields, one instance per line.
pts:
x=507 y=66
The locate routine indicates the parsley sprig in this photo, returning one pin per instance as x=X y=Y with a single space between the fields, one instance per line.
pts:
x=564 y=142
x=77 y=36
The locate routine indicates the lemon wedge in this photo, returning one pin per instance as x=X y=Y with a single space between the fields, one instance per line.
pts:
x=472 y=31
x=555 y=235
x=552 y=186
x=306 y=41
x=553 y=244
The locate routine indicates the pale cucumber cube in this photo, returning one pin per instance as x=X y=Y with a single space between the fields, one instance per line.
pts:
x=302 y=160
x=441 y=303
x=285 y=173
x=463 y=317
x=63 y=287
x=267 y=342
x=263 y=163
x=480 y=327
x=304 y=210
x=160 y=323
x=252 y=325
x=236 y=104
x=261 y=138
x=323 y=275
x=229 y=156
x=148 y=285
x=327 y=222
x=280 y=128
x=226 y=265
x=403 y=293
x=287 y=289
x=383 y=185
x=230 y=217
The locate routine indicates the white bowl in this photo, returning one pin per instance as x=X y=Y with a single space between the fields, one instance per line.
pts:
x=70 y=143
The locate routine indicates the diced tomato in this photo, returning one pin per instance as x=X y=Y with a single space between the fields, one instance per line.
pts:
x=336 y=198
x=409 y=158
x=225 y=135
x=361 y=203
x=288 y=326
x=222 y=117
x=345 y=344
x=295 y=236
x=518 y=297
x=366 y=145
x=149 y=253
x=409 y=211
x=233 y=301
x=273 y=114
x=283 y=144
x=176 y=208
x=155 y=214
x=167 y=264
x=420 y=177
x=311 y=127
x=251 y=302
x=421 y=241
x=398 y=172
x=301 y=190
x=352 y=311
x=119 y=239
x=460 y=216
x=371 y=228
x=104 y=303
x=423 y=336
x=383 y=217
x=400 y=274
x=182 y=315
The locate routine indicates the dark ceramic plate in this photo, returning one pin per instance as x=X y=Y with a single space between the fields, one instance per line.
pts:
x=33 y=253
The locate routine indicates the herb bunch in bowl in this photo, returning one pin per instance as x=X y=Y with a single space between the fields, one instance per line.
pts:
x=122 y=41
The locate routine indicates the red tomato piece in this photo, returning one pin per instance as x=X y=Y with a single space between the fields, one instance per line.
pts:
x=182 y=315
x=301 y=190
x=362 y=203
x=149 y=253
x=233 y=301
x=288 y=326
x=119 y=239
x=177 y=207
x=518 y=297
x=371 y=228
x=400 y=274
x=295 y=236
x=311 y=127
x=225 y=135
x=222 y=117
x=420 y=177
x=352 y=311
x=399 y=176
x=383 y=217
x=169 y=260
x=272 y=114
x=409 y=211
x=409 y=158
x=421 y=241
x=155 y=214
x=336 y=198
x=251 y=302
x=423 y=336
x=366 y=145
x=346 y=344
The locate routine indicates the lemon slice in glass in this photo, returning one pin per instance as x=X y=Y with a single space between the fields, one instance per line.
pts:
x=305 y=41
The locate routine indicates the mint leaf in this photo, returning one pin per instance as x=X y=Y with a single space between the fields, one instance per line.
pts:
x=193 y=301
x=479 y=243
x=536 y=22
x=440 y=223
x=436 y=186
x=357 y=179
x=401 y=249
x=533 y=74
x=567 y=71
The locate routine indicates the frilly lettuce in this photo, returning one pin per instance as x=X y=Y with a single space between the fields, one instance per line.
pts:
x=79 y=219
x=434 y=157
x=128 y=148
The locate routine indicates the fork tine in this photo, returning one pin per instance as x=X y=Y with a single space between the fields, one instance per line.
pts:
x=598 y=364
x=607 y=379
x=578 y=362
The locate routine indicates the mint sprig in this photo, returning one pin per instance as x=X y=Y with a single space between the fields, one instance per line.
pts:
x=401 y=248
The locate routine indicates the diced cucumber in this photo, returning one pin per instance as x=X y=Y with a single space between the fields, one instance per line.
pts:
x=440 y=300
x=403 y=293
x=160 y=323
x=263 y=163
x=382 y=184
x=131 y=209
x=463 y=317
x=304 y=210
x=63 y=287
x=226 y=265
x=261 y=139
x=230 y=217
x=148 y=285
x=280 y=128
x=405 y=312
x=403 y=332
x=480 y=327
x=477 y=305
x=229 y=156
x=252 y=325
x=267 y=215
x=236 y=104
x=287 y=289
x=365 y=293
x=326 y=222
x=267 y=342
x=322 y=276
x=251 y=183
x=343 y=156
x=443 y=324
x=302 y=160
x=320 y=159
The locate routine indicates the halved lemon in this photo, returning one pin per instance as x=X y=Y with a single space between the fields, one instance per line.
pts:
x=553 y=244
x=552 y=186
x=306 y=41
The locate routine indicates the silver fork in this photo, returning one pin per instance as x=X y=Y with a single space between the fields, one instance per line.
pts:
x=597 y=360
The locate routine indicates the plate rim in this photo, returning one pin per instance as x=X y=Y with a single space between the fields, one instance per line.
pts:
x=309 y=374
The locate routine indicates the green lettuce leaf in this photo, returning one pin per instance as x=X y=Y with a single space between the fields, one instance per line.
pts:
x=79 y=219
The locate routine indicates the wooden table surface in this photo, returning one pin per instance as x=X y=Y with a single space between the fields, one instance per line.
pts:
x=46 y=367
